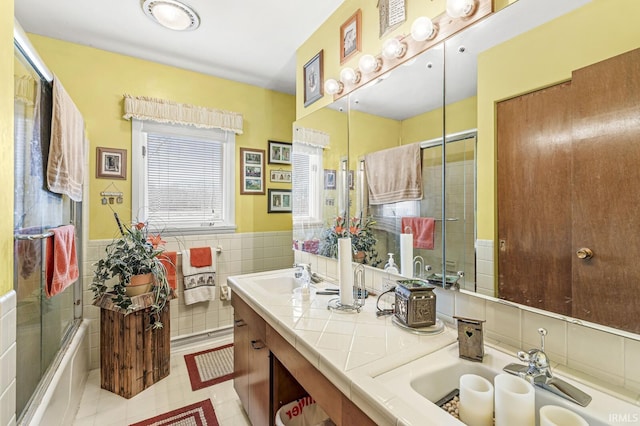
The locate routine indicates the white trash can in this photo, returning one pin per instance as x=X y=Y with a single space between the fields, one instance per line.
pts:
x=302 y=412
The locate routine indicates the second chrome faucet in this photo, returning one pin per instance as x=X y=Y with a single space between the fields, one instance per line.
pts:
x=538 y=372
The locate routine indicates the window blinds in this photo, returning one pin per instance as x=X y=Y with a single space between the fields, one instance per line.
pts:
x=185 y=180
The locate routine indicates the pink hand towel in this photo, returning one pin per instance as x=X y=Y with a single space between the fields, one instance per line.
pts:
x=423 y=230
x=200 y=257
x=170 y=259
x=61 y=268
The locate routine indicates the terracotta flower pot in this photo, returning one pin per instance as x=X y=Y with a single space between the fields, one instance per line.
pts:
x=359 y=257
x=139 y=284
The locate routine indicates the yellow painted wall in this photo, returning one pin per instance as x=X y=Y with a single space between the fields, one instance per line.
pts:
x=369 y=133
x=6 y=146
x=543 y=57
x=461 y=116
x=97 y=79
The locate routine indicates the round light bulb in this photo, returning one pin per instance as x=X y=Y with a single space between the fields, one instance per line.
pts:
x=369 y=63
x=422 y=29
x=349 y=76
x=460 y=8
x=333 y=86
x=393 y=48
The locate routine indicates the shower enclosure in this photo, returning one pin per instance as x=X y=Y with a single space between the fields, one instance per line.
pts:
x=44 y=325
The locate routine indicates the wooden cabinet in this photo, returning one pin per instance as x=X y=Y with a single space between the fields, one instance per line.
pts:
x=270 y=373
x=251 y=363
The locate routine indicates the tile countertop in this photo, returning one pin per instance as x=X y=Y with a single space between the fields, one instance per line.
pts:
x=349 y=348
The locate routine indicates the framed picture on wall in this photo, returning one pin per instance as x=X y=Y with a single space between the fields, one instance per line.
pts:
x=279 y=201
x=111 y=163
x=283 y=176
x=252 y=171
x=313 y=79
x=329 y=179
x=279 y=152
x=351 y=37
x=352 y=180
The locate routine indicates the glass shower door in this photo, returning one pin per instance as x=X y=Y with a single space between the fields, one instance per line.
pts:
x=42 y=323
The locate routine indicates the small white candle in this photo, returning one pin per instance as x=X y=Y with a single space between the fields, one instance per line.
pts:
x=552 y=415
x=476 y=400
x=406 y=255
x=345 y=271
x=515 y=401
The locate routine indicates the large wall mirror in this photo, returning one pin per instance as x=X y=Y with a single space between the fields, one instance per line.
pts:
x=477 y=90
x=555 y=156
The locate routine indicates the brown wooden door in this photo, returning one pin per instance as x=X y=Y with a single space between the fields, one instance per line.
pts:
x=534 y=199
x=606 y=184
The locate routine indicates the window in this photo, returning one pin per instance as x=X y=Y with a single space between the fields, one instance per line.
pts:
x=183 y=178
x=307 y=184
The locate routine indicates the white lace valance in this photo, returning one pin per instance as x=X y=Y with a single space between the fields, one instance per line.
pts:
x=163 y=111
x=24 y=89
x=311 y=137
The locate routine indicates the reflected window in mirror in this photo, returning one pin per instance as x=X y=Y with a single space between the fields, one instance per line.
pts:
x=307 y=184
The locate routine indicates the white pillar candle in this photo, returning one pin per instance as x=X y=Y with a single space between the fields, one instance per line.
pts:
x=345 y=271
x=515 y=402
x=552 y=415
x=406 y=255
x=476 y=400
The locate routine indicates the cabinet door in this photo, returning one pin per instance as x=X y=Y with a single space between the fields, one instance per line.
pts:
x=241 y=359
x=606 y=184
x=259 y=412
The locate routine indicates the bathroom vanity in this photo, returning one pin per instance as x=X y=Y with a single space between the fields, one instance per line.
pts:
x=360 y=368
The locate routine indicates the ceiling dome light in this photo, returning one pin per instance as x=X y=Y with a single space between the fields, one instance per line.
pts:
x=369 y=63
x=423 y=29
x=333 y=86
x=349 y=76
x=460 y=8
x=172 y=14
x=393 y=48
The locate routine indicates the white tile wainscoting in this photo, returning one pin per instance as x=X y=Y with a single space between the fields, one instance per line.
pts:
x=8 y=321
x=242 y=253
x=599 y=355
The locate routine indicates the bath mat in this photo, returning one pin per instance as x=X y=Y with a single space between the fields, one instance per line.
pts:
x=209 y=367
x=198 y=414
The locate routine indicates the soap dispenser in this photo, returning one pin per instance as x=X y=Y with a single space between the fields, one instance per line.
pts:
x=391 y=267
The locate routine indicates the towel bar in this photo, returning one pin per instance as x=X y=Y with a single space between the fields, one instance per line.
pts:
x=33 y=236
x=218 y=250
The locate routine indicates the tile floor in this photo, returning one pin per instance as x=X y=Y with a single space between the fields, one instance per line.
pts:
x=103 y=408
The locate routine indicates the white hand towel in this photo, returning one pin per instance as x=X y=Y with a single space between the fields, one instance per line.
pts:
x=199 y=283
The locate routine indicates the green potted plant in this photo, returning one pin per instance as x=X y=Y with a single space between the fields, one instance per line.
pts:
x=132 y=267
x=363 y=240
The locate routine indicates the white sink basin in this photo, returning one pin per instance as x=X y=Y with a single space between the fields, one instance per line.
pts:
x=277 y=285
x=435 y=375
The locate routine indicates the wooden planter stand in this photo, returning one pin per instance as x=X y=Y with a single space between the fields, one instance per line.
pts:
x=132 y=355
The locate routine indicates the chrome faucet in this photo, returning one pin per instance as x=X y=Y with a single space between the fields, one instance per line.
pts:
x=300 y=267
x=538 y=373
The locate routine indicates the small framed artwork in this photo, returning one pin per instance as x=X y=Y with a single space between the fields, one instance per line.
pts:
x=329 y=179
x=279 y=152
x=252 y=171
x=351 y=37
x=111 y=163
x=279 y=201
x=283 y=176
x=352 y=181
x=313 y=79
